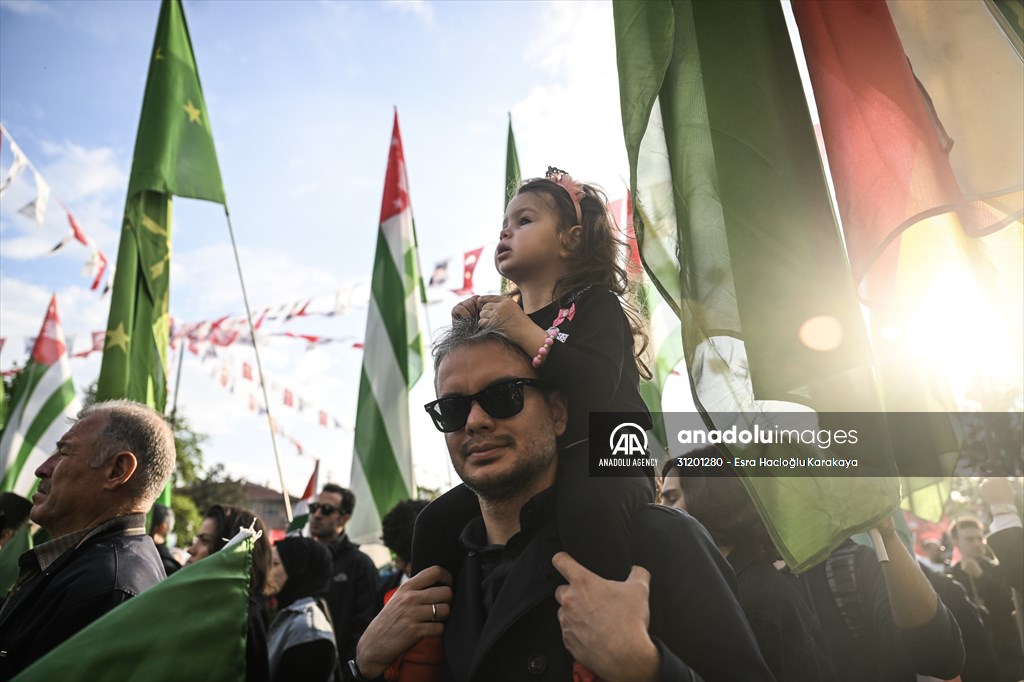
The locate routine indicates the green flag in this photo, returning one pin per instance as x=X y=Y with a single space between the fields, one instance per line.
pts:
x=392 y=359
x=191 y=626
x=736 y=231
x=512 y=175
x=42 y=404
x=174 y=155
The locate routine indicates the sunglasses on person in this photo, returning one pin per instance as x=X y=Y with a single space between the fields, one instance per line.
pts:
x=325 y=509
x=501 y=400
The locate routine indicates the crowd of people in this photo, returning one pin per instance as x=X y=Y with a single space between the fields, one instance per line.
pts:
x=532 y=568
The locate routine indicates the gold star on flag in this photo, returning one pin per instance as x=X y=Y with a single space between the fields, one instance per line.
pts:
x=157 y=54
x=193 y=113
x=118 y=337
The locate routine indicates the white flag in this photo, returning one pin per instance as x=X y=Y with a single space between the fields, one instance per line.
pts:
x=36 y=209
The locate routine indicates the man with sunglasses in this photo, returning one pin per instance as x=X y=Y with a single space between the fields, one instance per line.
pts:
x=522 y=608
x=353 y=589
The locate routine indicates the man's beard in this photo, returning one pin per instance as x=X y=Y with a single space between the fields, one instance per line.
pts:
x=533 y=459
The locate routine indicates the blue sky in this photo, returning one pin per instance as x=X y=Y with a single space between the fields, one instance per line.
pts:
x=300 y=98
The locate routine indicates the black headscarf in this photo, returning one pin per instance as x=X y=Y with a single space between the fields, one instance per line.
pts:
x=309 y=567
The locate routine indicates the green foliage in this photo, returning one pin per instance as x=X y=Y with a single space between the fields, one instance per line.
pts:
x=215 y=486
x=189 y=447
x=187 y=519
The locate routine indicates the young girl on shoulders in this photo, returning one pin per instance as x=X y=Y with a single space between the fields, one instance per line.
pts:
x=568 y=312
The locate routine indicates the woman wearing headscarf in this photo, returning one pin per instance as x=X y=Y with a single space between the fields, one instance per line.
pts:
x=301 y=638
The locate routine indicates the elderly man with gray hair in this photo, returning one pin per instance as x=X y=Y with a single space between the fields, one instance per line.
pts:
x=92 y=499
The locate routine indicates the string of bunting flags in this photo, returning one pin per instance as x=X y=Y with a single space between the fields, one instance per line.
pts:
x=225 y=373
x=35 y=210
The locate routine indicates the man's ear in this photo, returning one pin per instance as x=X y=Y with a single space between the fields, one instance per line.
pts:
x=121 y=468
x=570 y=240
x=559 y=411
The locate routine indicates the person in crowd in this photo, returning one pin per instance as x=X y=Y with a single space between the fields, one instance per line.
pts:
x=92 y=499
x=161 y=525
x=568 y=312
x=14 y=511
x=787 y=633
x=987 y=584
x=396 y=530
x=301 y=640
x=521 y=607
x=355 y=581
x=1006 y=534
x=883 y=621
x=979 y=656
x=220 y=524
x=934 y=555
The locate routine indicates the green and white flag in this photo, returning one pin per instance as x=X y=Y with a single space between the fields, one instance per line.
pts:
x=737 y=232
x=191 y=626
x=512 y=175
x=300 y=515
x=174 y=155
x=42 y=403
x=392 y=360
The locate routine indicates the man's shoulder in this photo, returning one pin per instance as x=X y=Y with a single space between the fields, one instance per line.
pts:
x=651 y=521
x=348 y=553
x=125 y=563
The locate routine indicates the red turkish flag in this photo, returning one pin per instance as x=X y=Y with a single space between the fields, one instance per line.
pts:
x=49 y=345
x=469 y=261
x=396 y=183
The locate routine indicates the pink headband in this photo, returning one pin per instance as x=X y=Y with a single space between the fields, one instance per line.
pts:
x=565 y=181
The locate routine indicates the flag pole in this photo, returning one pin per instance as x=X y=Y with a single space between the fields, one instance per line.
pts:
x=259 y=368
x=177 y=384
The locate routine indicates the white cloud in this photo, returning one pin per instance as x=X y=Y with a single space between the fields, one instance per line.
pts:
x=205 y=280
x=573 y=119
x=77 y=172
x=26 y=7
x=420 y=9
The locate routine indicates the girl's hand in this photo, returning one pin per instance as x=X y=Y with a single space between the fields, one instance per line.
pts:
x=502 y=311
x=470 y=308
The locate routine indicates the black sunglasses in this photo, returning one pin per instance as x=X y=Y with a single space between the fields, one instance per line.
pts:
x=500 y=400
x=327 y=509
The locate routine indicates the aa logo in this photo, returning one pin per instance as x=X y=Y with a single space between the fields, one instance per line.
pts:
x=628 y=439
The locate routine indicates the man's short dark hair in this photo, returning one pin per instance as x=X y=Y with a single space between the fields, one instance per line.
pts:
x=397 y=525
x=14 y=511
x=348 y=498
x=965 y=522
x=467 y=331
x=160 y=513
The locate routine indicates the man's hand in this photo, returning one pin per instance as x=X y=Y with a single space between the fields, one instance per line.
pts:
x=469 y=309
x=604 y=623
x=406 y=619
x=504 y=312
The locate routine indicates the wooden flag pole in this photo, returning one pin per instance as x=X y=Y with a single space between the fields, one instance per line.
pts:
x=876 y=541
x=259 y=369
